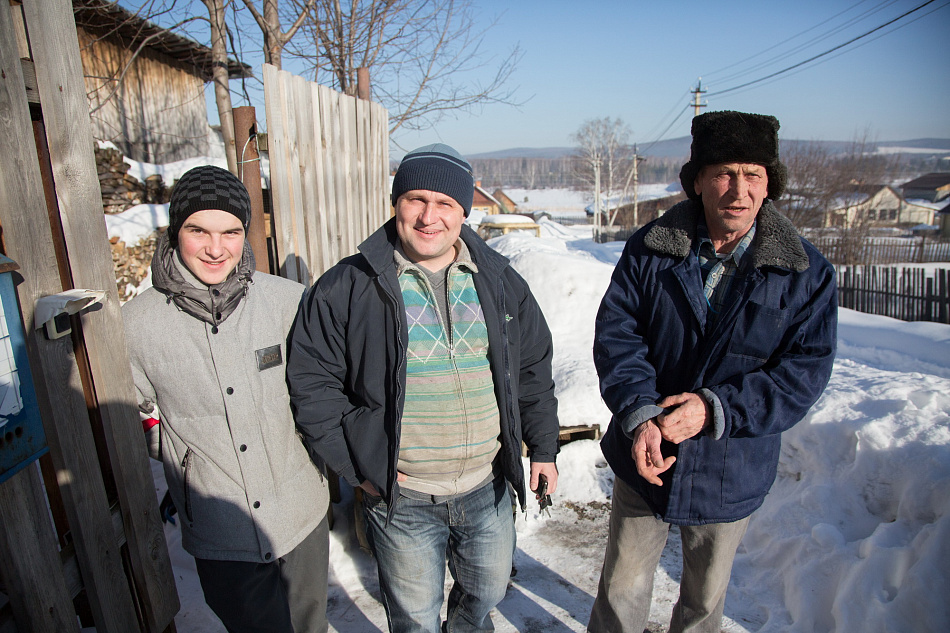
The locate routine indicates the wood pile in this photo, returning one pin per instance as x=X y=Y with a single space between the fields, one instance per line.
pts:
x=131 y=263
x=120 y=190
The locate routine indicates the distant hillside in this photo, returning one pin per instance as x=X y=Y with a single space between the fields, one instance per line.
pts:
x=525 y=152
x=679 y=148
x=670 y=148
x=920 y=143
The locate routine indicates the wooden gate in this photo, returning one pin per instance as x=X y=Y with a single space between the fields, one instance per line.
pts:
x=329 y=164
x=85 y=538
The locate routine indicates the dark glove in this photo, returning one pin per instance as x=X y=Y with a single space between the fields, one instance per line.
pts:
x=167 y=509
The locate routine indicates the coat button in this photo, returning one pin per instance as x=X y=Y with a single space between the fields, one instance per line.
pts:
x=216 y=292
x=257 y=504
x=243 y=447
x=267 y=556
x=214 y=329
x=229 y=390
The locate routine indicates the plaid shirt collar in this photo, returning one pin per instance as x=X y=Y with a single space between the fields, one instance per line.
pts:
x=702 y=235
x=718 y=269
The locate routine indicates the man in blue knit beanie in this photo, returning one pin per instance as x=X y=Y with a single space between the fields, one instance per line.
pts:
x=416 y=370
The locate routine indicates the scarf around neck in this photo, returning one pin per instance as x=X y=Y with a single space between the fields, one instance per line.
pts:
x=211 y=304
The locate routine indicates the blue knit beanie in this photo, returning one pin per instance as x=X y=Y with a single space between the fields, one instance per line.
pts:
x=436 y=167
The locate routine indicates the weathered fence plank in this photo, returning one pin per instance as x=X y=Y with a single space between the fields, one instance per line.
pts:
x=29 y=562
x=909 y=293
x=329 y=172
x=876 y=251
x=28 y=241
x=69 y=131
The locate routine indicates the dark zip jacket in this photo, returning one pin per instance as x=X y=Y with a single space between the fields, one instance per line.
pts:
x=765 y=360
x=347 y=364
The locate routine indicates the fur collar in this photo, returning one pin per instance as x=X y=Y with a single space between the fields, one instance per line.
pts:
x=776 y=243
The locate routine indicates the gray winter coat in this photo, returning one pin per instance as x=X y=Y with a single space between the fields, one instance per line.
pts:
x=242 y=481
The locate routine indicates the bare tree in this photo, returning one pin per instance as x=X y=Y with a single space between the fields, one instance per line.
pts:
x=604 y=144
x=222 y=91
x=826 y=190
x=269 y=19
x=424 y=56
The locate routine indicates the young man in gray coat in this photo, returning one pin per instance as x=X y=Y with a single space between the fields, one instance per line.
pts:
x=207 y=344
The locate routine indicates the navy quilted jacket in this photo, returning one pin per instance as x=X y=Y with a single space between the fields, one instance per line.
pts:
x=767 y=358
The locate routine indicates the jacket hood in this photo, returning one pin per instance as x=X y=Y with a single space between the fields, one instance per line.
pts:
x=378 y=249
x=776 y=242
x=212 y=304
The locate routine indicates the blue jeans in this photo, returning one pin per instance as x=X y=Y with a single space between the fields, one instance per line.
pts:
x=475 y=531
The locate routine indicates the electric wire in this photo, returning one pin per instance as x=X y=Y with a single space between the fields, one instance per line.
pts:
x=820 y=55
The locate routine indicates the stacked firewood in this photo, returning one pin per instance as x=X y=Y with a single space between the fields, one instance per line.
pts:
x=120 y=190
x=131 y=263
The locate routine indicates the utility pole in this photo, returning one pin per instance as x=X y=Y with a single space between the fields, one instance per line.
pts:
x=636 y=181
x=597 y=199
x=698 y=90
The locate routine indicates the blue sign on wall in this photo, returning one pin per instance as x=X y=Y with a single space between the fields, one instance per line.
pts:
x=22 y=440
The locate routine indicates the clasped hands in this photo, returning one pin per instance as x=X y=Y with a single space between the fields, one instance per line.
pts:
x=686 y=415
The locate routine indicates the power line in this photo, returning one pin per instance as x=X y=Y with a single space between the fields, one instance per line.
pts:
x=799 y=47
x=874 y=39
x=683 y=111
x=820 y=55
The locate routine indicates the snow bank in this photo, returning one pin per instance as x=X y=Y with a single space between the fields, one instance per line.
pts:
x=137 y=222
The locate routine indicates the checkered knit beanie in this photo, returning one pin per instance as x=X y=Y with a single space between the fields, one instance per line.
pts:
x=207 y=187
x=734 y=137
x=436 y=167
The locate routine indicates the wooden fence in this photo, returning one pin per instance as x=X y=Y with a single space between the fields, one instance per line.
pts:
x=81 y=542
x=871 y=251
x=909 y=294
x=329 y=158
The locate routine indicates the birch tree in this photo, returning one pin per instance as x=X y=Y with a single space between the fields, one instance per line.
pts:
x=604 y=144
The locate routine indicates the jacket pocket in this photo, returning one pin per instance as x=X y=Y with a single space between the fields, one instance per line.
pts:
x=749 y=468
x=758 y=332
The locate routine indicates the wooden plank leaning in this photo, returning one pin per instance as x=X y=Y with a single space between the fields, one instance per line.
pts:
x=27 y=240
x=69 y=132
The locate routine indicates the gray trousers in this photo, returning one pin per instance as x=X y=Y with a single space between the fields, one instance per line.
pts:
x=288 y=595
x=634 y=545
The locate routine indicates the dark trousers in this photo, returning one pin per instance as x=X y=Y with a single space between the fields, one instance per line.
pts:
x=288 y=595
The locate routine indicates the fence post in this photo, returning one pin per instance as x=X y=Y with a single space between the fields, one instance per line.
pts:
x=249 y=171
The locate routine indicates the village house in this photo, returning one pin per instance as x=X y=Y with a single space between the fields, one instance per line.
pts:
x=507 y=204
x=878 y=205
x=932 y=187
x=145 y=84
x=943 y=219
x=647 y=210
x=486 y=202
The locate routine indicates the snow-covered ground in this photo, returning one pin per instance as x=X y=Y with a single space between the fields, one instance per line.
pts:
x=854 y=537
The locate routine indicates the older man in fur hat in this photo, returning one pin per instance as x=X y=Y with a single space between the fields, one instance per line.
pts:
x=716 y=334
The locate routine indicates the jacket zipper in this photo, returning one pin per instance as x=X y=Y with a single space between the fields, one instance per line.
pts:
x=395 y=415
x=184 y=466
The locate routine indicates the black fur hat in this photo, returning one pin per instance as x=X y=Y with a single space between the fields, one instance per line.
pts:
x=728 y=137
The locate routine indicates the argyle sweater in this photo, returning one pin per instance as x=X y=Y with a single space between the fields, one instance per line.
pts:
x=450 y=423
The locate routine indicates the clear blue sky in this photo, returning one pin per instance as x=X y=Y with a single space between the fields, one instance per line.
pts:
x=637 y=60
